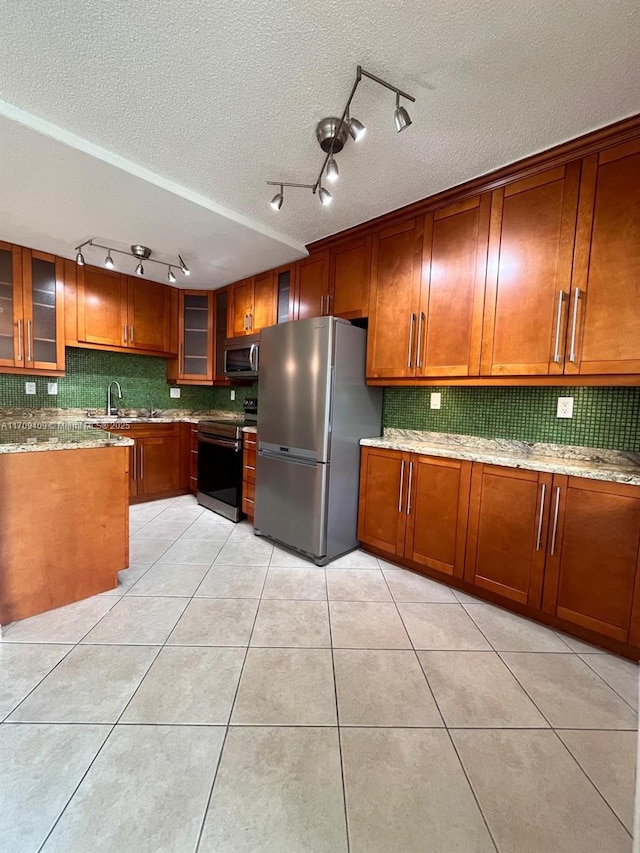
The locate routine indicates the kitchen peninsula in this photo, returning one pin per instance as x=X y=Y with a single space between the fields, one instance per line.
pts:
x=64 y=521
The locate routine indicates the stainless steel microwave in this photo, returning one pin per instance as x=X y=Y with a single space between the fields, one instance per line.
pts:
x=241 y=357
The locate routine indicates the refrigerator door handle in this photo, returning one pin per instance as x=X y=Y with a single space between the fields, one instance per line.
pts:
x=284 y=457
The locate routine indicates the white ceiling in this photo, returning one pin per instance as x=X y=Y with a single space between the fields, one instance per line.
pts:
x=216 y=98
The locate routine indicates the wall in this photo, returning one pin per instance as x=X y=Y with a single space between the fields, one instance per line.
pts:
x=143 y=379
x=602 y=417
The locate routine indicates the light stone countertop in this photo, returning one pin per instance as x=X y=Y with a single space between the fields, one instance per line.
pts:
x=22 y=438
x=591 y=462
x=250 y=429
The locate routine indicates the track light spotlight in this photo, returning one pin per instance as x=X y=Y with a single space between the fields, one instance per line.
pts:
x=356 y=129
x=171 y=277
x=332 y=170
x=80 y=259
x=108 y=261
x=325 y=196
x=185 y=269
x=400 y=116
x=276 y=201
x=140 y=269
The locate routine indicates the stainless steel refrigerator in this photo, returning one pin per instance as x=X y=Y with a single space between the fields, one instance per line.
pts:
x=314 y=408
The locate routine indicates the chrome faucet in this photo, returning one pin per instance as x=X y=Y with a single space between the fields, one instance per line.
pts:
x=110 y=410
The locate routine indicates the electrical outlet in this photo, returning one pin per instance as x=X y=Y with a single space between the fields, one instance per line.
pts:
x=436 y=400
x=233 y=394
x=565 y=407
x=29 y=387
x=52 y=387
x=174 y=393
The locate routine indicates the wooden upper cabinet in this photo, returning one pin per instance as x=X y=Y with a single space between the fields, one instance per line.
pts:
x=102 y=307
x=394 y=299
x=31 y=310
x=382 y=517
x=149 y=315
x=265 y=301
x=592 y=575
x=604 y=329
x=349 y=276
x=508 y=520
x=239 y=307
x=531 y=241
x=312 y=286
x=452 y=297
x=437 y=513
x=195 y=362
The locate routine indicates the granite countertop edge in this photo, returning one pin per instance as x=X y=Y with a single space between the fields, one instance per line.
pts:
x=591 y=463
x=64 y=440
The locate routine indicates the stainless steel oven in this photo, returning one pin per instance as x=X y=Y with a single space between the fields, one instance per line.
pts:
x=241 y=357
x=220 y=467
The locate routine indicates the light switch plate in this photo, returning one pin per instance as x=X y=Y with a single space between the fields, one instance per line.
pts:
x=233 y=394
x=565 y=407
x=52 y=387
x=436 y=400
x=29 y=387
x=174 y=392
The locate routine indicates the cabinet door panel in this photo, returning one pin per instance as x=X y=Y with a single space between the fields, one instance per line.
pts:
x=149 y=315
x=159 y=465
x=12 y=349
x=43 y=306
x=102 y=307
x=240 y=305
x=607 y=265
x=312 y=285
x=530 y=257
x=456 y=240
x=590 y=577
x=383 y=486
x=265 y=302
x=508 y=518
x=349 y=274
x=395 y=288
x=195 y=337
x=437 y=521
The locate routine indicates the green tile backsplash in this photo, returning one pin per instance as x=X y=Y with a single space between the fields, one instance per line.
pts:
x=143 y=379
x=602 y=417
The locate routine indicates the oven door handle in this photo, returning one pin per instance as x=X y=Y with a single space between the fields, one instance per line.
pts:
x=220 y=442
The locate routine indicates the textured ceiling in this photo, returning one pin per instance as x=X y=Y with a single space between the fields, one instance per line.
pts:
x=219 y=97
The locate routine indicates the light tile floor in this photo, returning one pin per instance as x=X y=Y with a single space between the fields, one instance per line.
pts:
x=230 y=696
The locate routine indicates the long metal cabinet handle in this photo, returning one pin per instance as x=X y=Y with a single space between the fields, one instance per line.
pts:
x=401 y=486
x=412 y=323
x=250 y=321
x=131 y=335
x=544 y=489
x=555 y=522
x=409 y=488
x=125 y=333
x=574 y=323
x=135 y=462
x=556 y=349
x=142 y=462
x=328 y=303
x=421 y=319
x=19 y=340
x=29 y=342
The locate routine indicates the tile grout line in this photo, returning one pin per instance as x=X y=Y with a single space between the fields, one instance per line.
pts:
x=228 y=725
x=338 y=726
x=580 y=656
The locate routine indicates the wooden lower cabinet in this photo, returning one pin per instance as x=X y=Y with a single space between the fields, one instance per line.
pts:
x=192 y=461
x=414 y=507
x=506 y=539
x=250 y=444
x=157 y=465
x=562 y=550
x=592 y=576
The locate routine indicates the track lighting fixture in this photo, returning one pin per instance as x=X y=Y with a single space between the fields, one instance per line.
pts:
x=400 y=116
x=332 y=170
x=141 y=253
x=276 y=201
x=325 y=196
x=333 y=134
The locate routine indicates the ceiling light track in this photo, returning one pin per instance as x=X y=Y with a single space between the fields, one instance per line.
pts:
x=140 y=253
x=333 y=134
